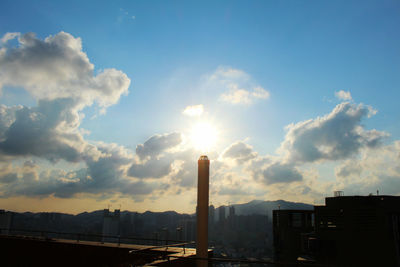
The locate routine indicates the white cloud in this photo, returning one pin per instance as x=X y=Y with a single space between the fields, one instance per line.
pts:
x=231 y=184
x=193 y=111
x=48 y=130
x=152 y=168
x=348 y=168
x=259 y=92
x=9 y=36
x=60 y=76
x=105 y=176
x=228 y=74
x=238 y=87
x=335 y=136
x=371 y=170
x=157 y=144
x=281 y=173
x=7 y=117
x=343 y=95
x=243 y=96
x=240 y=152
x=56 y=67
x=237 y=96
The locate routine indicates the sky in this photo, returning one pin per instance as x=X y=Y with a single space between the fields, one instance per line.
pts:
x=111 y=103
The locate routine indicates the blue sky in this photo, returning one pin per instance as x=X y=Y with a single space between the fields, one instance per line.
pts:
x=170 y=55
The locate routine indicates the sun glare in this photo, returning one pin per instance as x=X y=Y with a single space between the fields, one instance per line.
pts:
x=203 y=136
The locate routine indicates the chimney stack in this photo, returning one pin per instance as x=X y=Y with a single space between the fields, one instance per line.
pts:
x=202 y=210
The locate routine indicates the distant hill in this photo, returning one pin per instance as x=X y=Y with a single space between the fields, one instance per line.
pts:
x=266 y=207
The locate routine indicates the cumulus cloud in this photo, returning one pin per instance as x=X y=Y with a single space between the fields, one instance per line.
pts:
x=350 y=167
x=231 y=184
x=104 y=176
x=44 y=131
x=193 y=111
x=177 y=166
x=335 y=136
x=281 y=173
x=238 y=86
x=372 y=170
x=185 y=172
x=164 y=157
x=9 y=36
x=7 y=117
x=57 y=67
x=157 y=144
x=152 y=168
x=343 y=95
x=240 y=152
x=60 y=76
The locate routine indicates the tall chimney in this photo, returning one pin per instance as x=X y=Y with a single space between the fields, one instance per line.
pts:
x=202 y=210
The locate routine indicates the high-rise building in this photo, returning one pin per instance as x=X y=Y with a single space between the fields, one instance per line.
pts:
x=189 y=230
x=211 y=214
x=347 y=231
x=5 y=221
x=231 y=211
x=288 y=228
x=221 y=214
x=111 y=225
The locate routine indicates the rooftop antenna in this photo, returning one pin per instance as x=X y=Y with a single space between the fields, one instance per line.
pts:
x=377 y=192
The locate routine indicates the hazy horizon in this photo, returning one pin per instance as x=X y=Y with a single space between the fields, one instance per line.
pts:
x=114 y=102
x=112 y=208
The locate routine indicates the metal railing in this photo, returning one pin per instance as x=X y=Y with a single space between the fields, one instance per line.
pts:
x=117 y=239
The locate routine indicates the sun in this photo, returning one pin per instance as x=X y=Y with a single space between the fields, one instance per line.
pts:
x=203 y=136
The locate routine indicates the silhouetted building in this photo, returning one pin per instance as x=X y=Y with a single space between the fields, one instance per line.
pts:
x=179 y=233
x=189 y=230
x=128 y=224
x=211 y=214
x=221 y=214
x=359 y=230
x=288 y=227
x=348 y=231
x=111 y=225
x=231 y=211
x=5 y=221
x=164 y=234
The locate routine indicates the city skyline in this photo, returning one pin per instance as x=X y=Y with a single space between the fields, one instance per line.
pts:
x=113 y=103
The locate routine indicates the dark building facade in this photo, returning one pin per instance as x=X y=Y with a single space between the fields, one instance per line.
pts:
x=221 y=214
x=288 y=229
x=211 y=215
x=347 y=231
